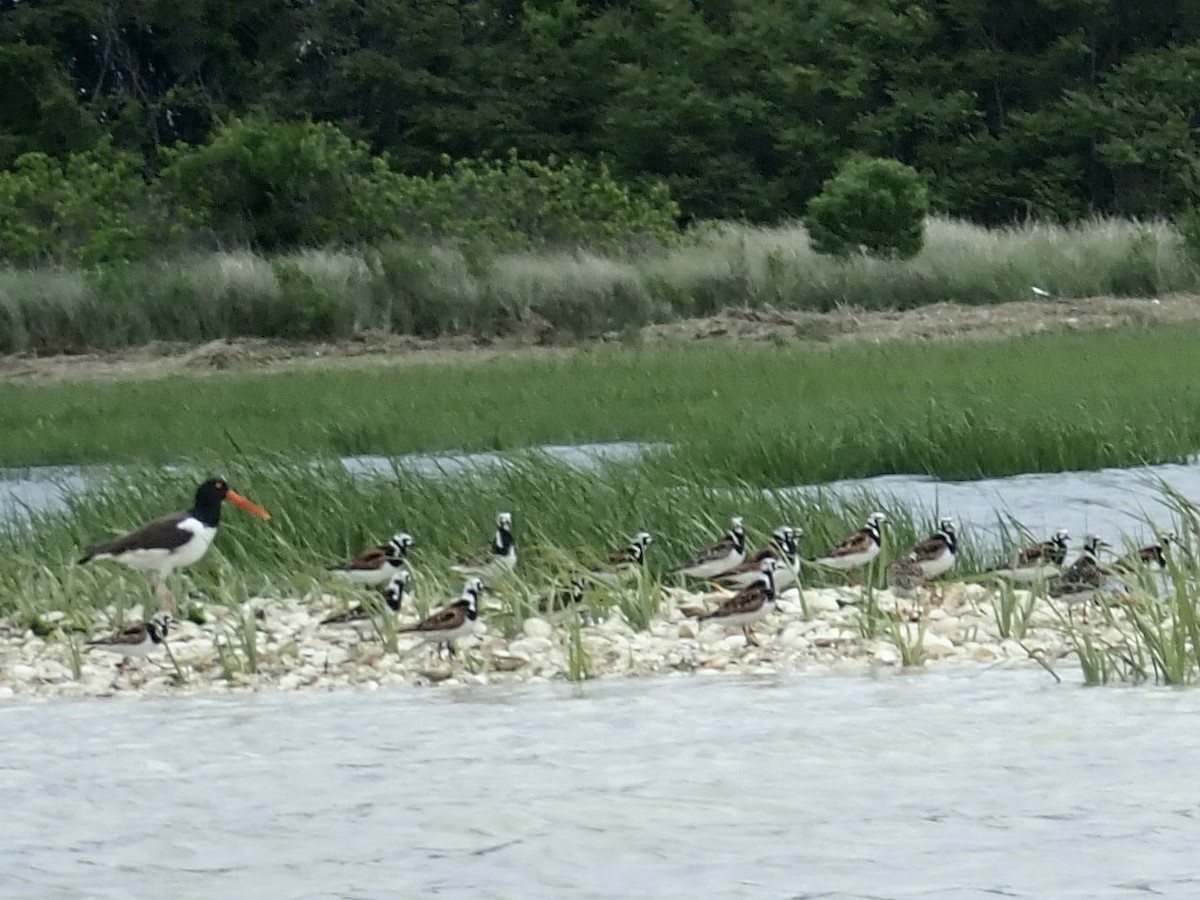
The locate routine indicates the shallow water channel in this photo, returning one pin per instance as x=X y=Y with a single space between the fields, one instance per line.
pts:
x=973 y=783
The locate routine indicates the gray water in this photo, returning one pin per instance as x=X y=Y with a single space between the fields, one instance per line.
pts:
x=1115 y=503
x=974 y=784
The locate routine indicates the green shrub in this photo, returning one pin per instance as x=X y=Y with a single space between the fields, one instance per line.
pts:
x=521 y=203
x=94 y=208
x=1188 y=225
x=278 y=185
x=872 y=206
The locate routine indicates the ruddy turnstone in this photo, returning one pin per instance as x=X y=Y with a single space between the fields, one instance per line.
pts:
x=749 y=605
x=935 y=554
x=175 y=541
x=568 y=598
x=455 y=621
x=722 y=556
x=1152 y=556
x=784 y=546
x=137 y=640
x=905 y=578
x=624 y=562
x=376 y=565
x=1085 y=577
x=393 y=595
x=498 y=558
x=859 y=549
x=1038 y=562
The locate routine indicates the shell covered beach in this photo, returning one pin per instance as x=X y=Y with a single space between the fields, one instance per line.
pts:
x=281 y=645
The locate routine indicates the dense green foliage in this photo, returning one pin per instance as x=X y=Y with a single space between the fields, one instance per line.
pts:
x=768 y=415
x=873 y=206
x=1050 y=108
x=278 y=185
x=557 y=295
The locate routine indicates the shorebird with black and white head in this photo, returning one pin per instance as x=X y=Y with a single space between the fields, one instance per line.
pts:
x=935 y=555
x=1086 y=576
x=726 y=554
x=561 y=601
x=136 y=641
x=392 y=594
x=1152 y=556
x=1037 y=563
x=376 y=565
x=498 y=558
x=749 y=605
x=784 y=547
x=620 y=565
x=175 y=541
x=455 y=621
x=857 y=550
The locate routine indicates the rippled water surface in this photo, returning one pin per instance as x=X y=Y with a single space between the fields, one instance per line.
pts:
x=980 y=783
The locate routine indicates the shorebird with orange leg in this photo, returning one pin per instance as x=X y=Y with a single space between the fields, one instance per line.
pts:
x=376 y=565
x=176 y=541
x=935 y=555
x=455 y=621
x=750 y=604
x=136 y=641
x=857 y=550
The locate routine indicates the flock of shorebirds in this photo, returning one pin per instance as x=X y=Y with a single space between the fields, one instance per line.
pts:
x=749 y=581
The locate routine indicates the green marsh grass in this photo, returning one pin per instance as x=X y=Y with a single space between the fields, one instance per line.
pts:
x=465 y=289
x=320 y=513
x=754 y=414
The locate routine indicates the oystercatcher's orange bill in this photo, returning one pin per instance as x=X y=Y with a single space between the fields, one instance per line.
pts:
x=253 y=508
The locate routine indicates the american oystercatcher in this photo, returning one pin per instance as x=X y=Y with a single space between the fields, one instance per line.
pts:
x=175 y=541
x=498 y=558
x=750 y=604
x=455 y=621
x=726 y=554
x=376 y=565
x=137 y=640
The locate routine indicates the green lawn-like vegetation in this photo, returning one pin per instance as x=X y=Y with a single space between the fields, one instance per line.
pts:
x=770 y=415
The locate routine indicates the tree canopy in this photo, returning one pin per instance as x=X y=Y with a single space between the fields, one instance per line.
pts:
x=1006 y=108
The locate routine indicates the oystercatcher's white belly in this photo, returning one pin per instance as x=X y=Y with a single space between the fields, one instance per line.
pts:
x=162 y=561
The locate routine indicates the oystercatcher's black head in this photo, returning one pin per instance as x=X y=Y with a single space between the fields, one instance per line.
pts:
x=207 y=506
